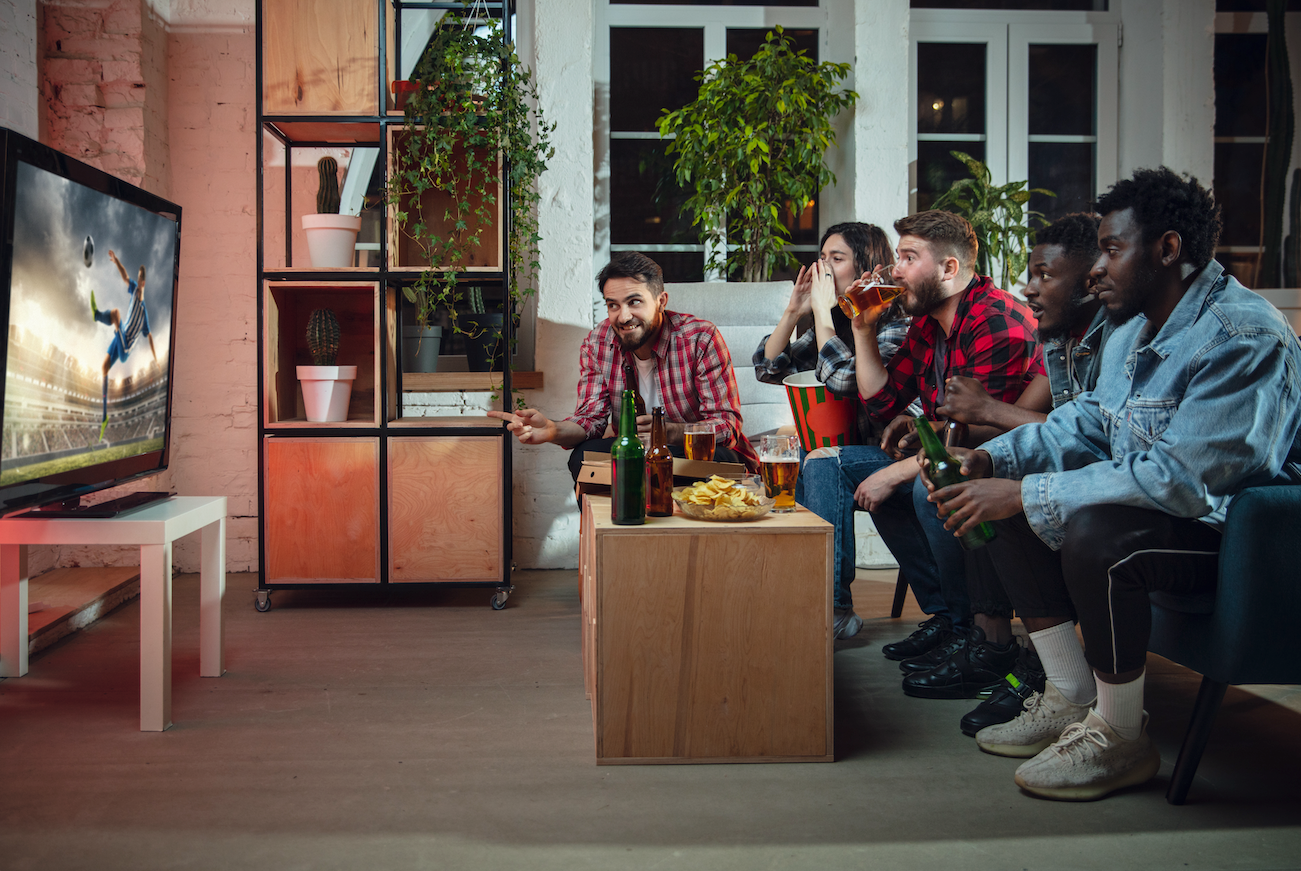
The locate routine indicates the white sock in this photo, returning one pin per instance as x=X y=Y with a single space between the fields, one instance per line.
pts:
x=1121 y=705
x=1064 y=664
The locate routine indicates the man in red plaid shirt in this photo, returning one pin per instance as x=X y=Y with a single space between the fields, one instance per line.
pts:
x=962 y=325
x=680 y=362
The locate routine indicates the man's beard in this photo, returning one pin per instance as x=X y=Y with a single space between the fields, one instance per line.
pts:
x=1133 y=300
x=925 y=298
x=1080 y=297
x=648 y=332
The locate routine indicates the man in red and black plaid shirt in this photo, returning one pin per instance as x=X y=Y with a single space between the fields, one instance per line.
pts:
x=680 y=362
x=962 y=325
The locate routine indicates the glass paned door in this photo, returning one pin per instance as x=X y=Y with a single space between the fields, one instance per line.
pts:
x=1050 y=104
x=959 y=85
x=651 y=68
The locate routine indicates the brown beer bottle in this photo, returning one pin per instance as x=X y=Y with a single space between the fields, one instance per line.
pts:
x=630 y=383
x=659 y=469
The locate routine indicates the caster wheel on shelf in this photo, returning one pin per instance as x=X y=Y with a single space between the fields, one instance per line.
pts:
x=263 y=601
x=498 y=599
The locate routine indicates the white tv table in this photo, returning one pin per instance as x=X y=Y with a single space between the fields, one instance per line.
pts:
x=154 y=527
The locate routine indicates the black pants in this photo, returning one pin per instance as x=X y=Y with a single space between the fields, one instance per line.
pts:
x=602 y=446
x=1112 y=557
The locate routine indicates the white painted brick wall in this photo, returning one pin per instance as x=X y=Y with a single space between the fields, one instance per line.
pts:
x=19 y=93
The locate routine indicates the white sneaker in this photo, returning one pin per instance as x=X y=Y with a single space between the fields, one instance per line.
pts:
x=1045 y=717
x=1089 y=761
x=846 y=624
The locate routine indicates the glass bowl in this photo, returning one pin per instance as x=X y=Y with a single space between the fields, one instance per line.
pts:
x=724 y=513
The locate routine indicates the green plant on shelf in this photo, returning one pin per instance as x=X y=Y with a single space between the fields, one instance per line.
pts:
x=470 y=131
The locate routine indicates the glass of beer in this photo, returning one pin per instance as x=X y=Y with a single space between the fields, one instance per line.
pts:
x=779 y=466
x=874 y=291
x=698 y=441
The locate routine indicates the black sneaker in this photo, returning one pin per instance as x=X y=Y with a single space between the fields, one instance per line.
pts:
x=929 y=635
x=951 y=645
x=979 y=665
x=1006 y=703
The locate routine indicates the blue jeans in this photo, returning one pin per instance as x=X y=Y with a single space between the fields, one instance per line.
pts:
x=928 y=554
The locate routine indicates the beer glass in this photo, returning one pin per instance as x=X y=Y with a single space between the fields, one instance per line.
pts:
x=698 y=441
x=876 y=290
x=779 y=466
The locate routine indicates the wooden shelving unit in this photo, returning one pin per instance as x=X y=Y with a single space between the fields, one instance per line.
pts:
x=389 y=495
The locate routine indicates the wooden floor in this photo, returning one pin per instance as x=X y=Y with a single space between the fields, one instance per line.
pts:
x=63 y=601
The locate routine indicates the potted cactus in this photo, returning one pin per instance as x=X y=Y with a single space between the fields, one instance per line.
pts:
x=327 y=386
x=331 y=237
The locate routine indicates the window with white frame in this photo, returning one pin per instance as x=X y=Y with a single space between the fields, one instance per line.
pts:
x=1032 y=94
x=647 y=57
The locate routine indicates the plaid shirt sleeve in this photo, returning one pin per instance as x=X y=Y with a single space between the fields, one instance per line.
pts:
x=595 y=362
x=902 y=373
x=799 y=356
x=835 y=367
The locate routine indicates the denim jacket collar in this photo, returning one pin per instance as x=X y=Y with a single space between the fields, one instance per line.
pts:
x=1185 y=312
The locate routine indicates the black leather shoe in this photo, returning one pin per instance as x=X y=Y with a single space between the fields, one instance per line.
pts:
x=980 y=666
x=929 y=635
x=952 y=645
x=1008 y=701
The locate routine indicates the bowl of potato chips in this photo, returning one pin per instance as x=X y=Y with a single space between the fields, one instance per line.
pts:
x=722 y=499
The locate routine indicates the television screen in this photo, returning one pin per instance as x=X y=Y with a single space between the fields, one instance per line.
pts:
x=92 y=265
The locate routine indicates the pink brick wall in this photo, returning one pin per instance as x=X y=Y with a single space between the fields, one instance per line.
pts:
x=104 y=86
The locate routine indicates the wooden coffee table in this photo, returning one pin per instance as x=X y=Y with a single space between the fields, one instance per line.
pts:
x=707 y=642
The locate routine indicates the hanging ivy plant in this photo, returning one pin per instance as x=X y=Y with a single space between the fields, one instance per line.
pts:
x=471 y=115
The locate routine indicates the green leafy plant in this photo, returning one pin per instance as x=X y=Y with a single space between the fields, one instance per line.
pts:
x=999 y=216
x=323 y=337
x=470 y=130
x=752 y=147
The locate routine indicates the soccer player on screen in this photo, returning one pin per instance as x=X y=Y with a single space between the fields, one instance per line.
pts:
x=124 y=336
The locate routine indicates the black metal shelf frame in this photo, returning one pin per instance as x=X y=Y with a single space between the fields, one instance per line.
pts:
x=386 y=278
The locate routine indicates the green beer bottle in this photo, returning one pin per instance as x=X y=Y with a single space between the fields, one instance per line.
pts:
x=628 y=469
x=945 y=470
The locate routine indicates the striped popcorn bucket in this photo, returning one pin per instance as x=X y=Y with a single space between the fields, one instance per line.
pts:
x=822 y=418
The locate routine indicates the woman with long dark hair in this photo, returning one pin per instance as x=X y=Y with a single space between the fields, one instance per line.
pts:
x=848 y=251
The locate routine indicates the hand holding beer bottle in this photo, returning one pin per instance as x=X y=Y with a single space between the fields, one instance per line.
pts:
x=944 y=470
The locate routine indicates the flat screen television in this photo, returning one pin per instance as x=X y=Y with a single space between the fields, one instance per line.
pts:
x=88 y=272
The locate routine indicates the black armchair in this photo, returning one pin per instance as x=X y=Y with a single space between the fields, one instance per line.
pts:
x=1247 y=632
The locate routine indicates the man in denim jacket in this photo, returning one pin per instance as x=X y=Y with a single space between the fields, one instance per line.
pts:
x=1124 y=490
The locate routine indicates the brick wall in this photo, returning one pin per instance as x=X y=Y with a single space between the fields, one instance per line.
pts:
x=104 y=87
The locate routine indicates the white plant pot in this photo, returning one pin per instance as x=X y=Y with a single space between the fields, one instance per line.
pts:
x=326 y=391
x=331 y=239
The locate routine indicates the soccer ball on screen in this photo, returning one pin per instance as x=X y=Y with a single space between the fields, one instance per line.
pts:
x=88 y=251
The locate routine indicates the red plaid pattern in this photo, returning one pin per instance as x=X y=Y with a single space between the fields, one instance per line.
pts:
x=695 y=380
x=993 y=341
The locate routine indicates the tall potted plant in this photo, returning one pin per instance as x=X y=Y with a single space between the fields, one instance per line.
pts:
x=999 y=215
x=471 y=130
x=331 y=237
x=752 y=146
